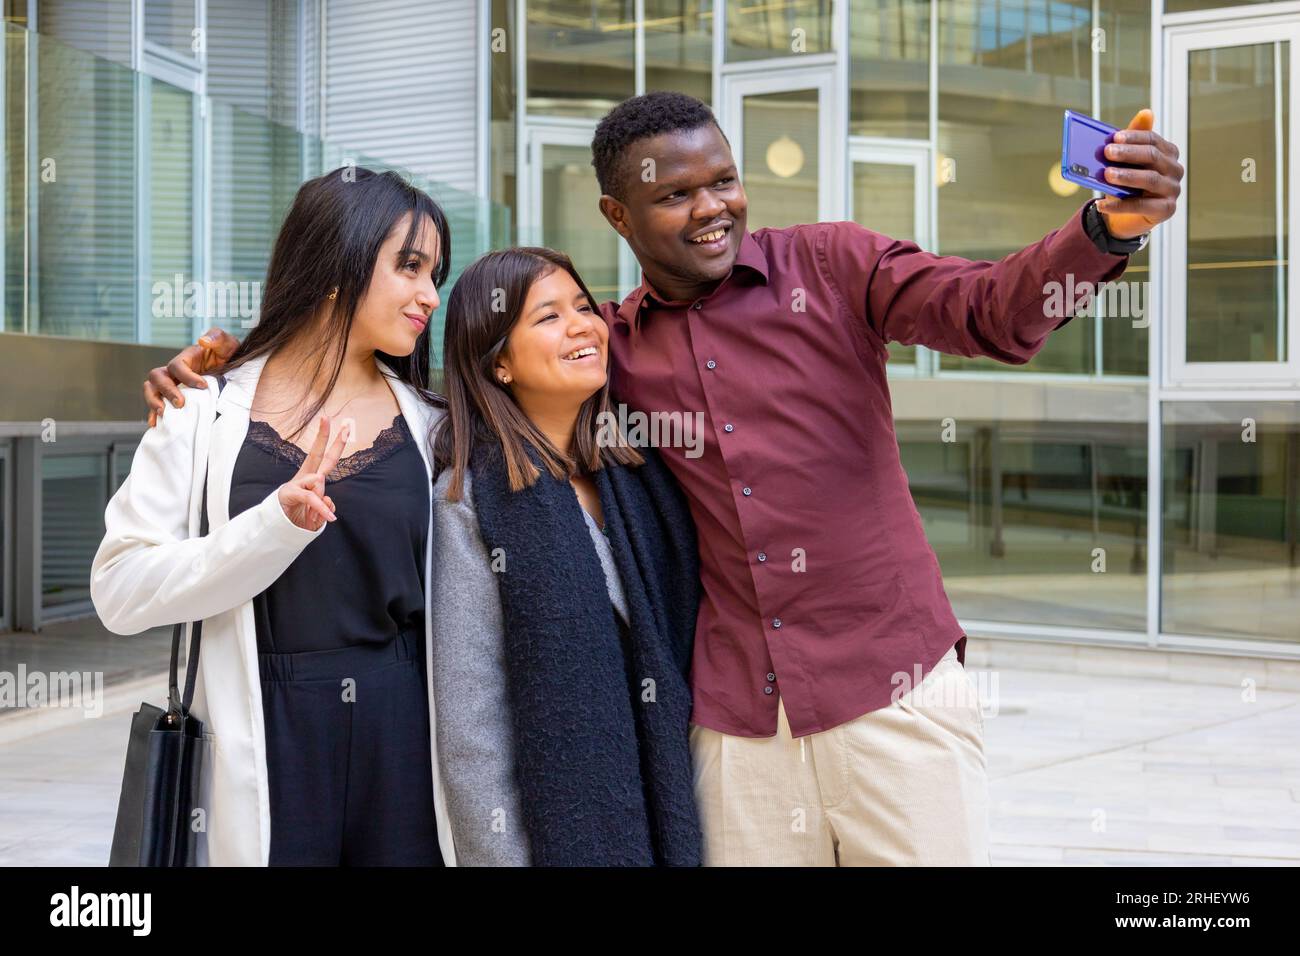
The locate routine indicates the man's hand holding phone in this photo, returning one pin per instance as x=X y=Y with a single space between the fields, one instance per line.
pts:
x=1158 y=175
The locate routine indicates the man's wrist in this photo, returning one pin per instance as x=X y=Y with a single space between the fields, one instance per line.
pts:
x=1094 y=225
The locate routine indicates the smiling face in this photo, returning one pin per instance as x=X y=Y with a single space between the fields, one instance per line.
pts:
x=685 y=225
x=402 y=296
x=555 y=353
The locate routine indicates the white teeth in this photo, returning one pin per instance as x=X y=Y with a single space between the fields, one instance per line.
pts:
x=589 y=350
x=710 y=236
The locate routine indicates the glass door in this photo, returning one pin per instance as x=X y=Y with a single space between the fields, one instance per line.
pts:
x=890 y=193
x=1233 y=304
x=779 y=125
x=560 y=209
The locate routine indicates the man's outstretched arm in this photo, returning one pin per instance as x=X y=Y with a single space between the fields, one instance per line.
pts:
x=1002 y=309
x=214 y=348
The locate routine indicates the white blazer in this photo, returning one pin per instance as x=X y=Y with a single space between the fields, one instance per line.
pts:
x=153 y=569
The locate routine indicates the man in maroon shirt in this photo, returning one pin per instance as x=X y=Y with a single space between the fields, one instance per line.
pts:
x=833 y=721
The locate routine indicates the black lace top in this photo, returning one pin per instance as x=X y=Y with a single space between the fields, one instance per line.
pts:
x=362 y=579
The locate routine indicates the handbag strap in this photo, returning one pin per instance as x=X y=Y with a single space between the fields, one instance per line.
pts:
x=176 y=705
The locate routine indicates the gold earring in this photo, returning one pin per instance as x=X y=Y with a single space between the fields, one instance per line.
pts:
x=334 y=294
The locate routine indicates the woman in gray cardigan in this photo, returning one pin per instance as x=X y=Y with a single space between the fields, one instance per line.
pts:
x=476 y=750
x=565 y=584
x=476 y=747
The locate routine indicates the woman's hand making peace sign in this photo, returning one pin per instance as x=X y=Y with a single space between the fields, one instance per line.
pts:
x=303 y=497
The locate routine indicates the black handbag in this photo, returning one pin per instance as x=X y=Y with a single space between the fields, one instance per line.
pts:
x=158 y=813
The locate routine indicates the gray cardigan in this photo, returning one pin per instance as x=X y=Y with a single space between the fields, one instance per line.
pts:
x=468 y=673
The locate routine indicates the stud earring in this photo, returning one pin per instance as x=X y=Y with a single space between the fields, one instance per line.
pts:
x=505 y=379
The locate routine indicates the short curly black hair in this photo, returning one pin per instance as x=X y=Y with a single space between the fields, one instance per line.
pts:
x=636 y=119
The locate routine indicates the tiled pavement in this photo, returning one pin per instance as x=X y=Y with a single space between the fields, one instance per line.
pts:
x=1084 y=768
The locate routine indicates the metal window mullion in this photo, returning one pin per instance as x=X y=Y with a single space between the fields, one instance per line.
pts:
x=483 y=126
x=1157 y=252
x=638 y=48
x=199 y=112
x=1280 y=177
x=837 y=116
x=1293 y=207
x=927 y=361
x=203 y=199
x=1094 y=85
x=719 y=58
x=322 y=75
x=31 y=211
x=523 y=160
x=143 y=210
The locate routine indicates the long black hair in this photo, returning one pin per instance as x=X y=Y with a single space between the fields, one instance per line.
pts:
x=330 y=240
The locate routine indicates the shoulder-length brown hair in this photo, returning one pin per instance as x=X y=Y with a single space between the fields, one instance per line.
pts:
x=483 y=307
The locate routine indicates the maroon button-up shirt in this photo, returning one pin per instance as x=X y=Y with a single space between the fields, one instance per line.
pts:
x=819 y=586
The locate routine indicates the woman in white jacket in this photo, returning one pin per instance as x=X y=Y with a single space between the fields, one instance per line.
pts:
x=312 y=580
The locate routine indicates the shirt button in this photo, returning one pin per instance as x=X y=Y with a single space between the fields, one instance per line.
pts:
x=762 y=555
x=776 y=622
x=728 y=427
x=767 y=690
x=771 y=676
x=746 y=491
x=710 y=364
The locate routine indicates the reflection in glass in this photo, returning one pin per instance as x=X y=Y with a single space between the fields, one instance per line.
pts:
x=1237 y=231
x=884 y=200
x=679 y=47
x=171 y=212
x=15 y=181
x=1034 y=522
x=761 y=29
x=260 y=58
x=122 y=454
x=1123 y=53
x=889 y=64
x=1125 y=319
x=170 y=23
x=85 y=280
x=571 y=219
x=1188 y=6
x=72 y=254
x=1124 y=65
x=73 y=496
x=581 y=55
x=1004 y=81
x=781 y=152
x=501 y=169
x=1231 y=563
x=256 y=169
x=105 y=28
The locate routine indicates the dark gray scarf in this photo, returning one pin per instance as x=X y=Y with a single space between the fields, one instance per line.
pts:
x=604 y=772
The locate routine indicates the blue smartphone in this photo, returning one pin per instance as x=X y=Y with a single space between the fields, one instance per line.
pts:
x=1083 y=141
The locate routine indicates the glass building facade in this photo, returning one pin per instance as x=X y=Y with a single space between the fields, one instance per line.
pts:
x=150 y=149
x=1136 y=483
